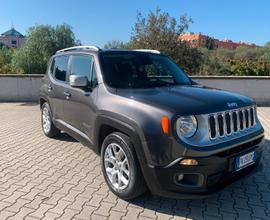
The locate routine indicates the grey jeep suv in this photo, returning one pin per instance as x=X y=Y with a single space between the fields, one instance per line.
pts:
x=152 y=125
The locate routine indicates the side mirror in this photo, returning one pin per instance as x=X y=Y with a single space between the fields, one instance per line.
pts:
x=78 y=81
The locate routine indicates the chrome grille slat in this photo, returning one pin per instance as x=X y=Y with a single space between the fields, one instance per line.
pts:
x=247 y=117
x=244 y=118
x=216 y=124
x=238 y=121
x=231 y=120
x=224 y=124
x=254 y=116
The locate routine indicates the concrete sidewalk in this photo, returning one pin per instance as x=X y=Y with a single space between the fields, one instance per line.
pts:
x=42 y=178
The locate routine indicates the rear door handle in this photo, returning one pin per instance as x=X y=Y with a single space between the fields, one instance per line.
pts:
x=67 y=94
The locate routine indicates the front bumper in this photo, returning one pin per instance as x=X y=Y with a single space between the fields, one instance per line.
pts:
x=210 y=175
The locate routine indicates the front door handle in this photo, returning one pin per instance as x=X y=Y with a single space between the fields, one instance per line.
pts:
x=67 y=94
x=49 y=88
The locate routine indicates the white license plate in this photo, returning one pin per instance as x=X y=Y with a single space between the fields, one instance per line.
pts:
x=245 y=160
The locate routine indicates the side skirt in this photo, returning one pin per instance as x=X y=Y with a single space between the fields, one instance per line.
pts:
x=74 y=132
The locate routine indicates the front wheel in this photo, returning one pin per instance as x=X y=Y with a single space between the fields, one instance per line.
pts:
x=48 y=127
x=120 y=167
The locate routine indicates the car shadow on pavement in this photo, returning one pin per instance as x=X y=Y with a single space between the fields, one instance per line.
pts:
x=237 y=199
x=65 y=137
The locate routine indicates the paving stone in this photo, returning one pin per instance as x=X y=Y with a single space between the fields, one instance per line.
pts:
x=6 y=214
x=78 y=204
x=40 y=212
x=104 y=209
x=98 y=217
x=22 y=213
x=228 y=215
x=60 y=207
x=15 y=207
x=196 y=212
x=259 y=212
x=68 y=214
x=4 y=205
x=132 y=213
x=13 y=197
x=244 y=214
x=50 y=216
x=30 y=218
x=114 y=215
x=86 y=212
x=121 y=206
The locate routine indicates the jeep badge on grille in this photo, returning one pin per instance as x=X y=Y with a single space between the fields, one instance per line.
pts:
x=232 y=104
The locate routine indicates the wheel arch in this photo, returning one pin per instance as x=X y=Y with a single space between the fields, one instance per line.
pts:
x=108 y=124
x=42 y=100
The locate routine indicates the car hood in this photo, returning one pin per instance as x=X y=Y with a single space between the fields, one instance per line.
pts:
x=185 y=100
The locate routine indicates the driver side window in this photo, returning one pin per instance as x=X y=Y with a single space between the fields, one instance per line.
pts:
x=81 y=65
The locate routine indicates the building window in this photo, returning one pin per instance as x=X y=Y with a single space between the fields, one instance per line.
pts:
x=14 y=42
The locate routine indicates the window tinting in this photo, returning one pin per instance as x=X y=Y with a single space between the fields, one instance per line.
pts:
x=81 y=65
x=141 y=70
x=61 y=64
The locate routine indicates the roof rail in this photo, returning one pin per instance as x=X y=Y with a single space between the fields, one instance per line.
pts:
x=89 y=47
x=148 y=50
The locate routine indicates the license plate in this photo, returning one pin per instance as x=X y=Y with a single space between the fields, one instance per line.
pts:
x=245 y=160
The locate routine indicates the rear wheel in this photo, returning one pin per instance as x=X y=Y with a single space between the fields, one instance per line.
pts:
x=120 y=167
x=48 y=127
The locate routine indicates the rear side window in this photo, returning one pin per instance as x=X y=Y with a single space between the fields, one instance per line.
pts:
x=61 y=66
x=81 y=65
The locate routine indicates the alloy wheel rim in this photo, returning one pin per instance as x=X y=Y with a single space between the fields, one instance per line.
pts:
x=46 y=120
x=117 y=166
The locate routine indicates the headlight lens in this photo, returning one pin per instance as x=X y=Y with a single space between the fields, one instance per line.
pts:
x=186 y=126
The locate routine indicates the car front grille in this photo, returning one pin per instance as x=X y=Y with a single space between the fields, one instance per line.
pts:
x=230 y=122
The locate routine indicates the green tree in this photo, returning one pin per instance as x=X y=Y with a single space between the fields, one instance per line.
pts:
x=6 y=55
x=6 y=67
x=160 y=31
x=42 y=41
x=266 y=52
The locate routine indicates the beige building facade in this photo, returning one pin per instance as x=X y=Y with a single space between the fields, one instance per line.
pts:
x=12 y=38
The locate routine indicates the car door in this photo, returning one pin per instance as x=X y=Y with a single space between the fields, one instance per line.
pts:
x=80 y=108
x=57 y=85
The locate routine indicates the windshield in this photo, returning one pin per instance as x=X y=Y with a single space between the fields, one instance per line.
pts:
x=140 y=70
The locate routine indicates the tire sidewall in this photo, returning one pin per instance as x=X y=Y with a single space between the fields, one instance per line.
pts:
x=46 y=105
x=128 y=149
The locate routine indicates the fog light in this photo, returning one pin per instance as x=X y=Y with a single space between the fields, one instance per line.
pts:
x=179 y=177
x=189 y=162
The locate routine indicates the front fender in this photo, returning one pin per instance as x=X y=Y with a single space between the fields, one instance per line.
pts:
x=128 y=127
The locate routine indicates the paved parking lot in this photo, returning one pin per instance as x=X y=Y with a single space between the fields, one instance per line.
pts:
x=42 y=178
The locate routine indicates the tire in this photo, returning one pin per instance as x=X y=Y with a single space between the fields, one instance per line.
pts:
x=133 y=185
x=48 y=127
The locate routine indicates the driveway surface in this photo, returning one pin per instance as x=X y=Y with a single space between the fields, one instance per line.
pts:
x=42 y=178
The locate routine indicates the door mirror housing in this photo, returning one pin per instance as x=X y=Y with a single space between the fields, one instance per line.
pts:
x=78 y=81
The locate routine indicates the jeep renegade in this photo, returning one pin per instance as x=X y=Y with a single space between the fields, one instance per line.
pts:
x=153 y=126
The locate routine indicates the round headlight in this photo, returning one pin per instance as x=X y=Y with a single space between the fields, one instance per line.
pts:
x=186 y=126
